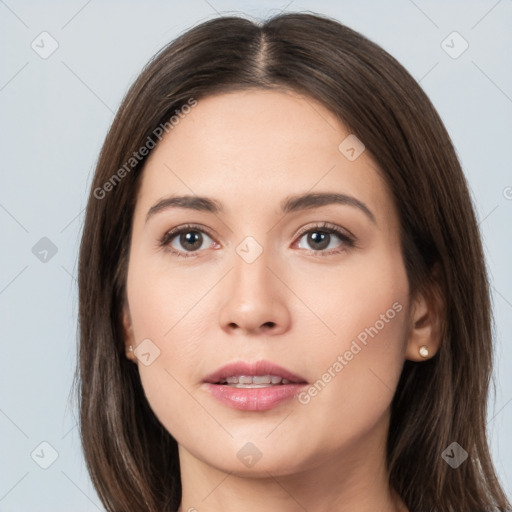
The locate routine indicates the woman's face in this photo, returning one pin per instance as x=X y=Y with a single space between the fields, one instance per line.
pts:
x=261 y=278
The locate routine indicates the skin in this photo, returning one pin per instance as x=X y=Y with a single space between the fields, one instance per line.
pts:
x=249 y=150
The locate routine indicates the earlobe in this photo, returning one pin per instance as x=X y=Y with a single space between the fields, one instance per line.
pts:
x=425 y=332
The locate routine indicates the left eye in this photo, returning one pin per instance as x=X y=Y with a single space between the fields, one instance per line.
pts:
x=320 y=239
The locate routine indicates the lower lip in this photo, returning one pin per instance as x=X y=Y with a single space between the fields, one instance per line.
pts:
x=254 y=399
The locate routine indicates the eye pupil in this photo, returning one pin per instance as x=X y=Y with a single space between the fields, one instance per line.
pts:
x=191 y=237
x=319 y=237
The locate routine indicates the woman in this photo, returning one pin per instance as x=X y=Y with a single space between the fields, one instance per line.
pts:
x=283 y=295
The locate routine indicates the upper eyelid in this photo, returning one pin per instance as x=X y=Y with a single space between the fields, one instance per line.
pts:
x=172 y=233
x=327 y=226
x=305 y=229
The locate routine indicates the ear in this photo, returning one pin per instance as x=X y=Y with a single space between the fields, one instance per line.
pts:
x=426 y=321
x=129 y=338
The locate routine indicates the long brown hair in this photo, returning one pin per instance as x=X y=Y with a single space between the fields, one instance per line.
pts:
x=132 y=459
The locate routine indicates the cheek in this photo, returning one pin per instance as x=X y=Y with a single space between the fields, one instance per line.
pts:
x=169 y=304
x=357 y=369
x=365 y=361
x=169 y=322
x=364 y=295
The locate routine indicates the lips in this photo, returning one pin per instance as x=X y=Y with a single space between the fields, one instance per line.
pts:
x=257 y=386
x=257 y=370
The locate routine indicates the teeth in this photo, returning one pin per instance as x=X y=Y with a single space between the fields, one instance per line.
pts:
x=256 y=381
x=251 y=386
x=265 y=379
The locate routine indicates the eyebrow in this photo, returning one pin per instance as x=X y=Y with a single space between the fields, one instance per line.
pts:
x=289 y=204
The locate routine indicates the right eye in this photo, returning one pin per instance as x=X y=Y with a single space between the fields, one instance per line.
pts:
x=190 y=237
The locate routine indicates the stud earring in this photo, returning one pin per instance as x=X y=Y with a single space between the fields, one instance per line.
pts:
x=130 y=349
x=423 y=350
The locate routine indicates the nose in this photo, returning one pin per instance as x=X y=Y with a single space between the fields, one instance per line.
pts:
x=254 y=299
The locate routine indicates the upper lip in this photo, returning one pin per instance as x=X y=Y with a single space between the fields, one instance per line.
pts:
x=256 y=368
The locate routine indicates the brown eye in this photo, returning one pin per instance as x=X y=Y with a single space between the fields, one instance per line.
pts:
x=191 y=240
x=187 y=239
x=320 y=238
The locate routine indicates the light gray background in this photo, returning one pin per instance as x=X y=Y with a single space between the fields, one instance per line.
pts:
x=55 y=113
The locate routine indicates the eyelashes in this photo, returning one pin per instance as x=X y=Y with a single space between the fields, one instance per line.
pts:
x=326 y=230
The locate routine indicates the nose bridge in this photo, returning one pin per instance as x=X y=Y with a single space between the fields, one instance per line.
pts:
x=251 y=277
x=253 y=297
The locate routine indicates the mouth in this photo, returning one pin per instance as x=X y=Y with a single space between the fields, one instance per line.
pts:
x=257 y=374
x=253 y=382
x=255 y=386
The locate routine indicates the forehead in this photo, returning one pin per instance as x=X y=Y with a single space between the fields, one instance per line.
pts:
x=252 y=148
